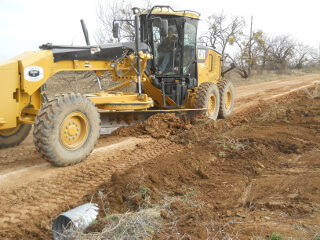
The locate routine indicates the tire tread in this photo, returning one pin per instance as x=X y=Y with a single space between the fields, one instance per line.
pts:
x=46 y=119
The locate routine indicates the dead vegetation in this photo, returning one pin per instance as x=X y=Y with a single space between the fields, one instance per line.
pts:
x=315 y=93
x=271 y=75
x=130 y=225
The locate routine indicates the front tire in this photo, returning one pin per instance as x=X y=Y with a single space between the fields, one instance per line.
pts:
x=14 y=136
x=207 y=96
x=66 y=129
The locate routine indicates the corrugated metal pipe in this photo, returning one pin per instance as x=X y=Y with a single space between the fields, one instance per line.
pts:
x=80 y=218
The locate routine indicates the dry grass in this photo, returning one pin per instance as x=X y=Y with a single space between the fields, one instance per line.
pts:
x=268 y=76
x=142 y=224
x=315 y=93
x=131 y=225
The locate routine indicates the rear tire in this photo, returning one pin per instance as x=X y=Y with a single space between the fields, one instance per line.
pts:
x=226 y=91
x=66 y=129
x=207 y=96
x=14 y=136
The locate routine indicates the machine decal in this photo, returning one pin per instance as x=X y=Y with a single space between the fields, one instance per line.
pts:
x=201 y=54
x=33 y=73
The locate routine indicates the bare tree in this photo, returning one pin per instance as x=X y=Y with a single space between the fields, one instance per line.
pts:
x=250 y=53
x=315 y=56
x=223 y=31
x=241 y=62
x=281 y=51
x=116 y=10
x=301 y=55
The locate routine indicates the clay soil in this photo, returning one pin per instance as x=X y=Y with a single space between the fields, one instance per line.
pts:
x=247 y=177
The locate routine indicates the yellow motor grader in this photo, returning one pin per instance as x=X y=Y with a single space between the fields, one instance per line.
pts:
x=66 y=128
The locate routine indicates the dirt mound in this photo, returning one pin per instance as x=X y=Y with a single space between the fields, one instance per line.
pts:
x=158 y=126
x=188 y=177
x=228 y=180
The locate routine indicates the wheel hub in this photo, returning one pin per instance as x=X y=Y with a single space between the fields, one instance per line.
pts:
x=212 y=105
x=10 y=131
x=74 y=130
x=228 y=99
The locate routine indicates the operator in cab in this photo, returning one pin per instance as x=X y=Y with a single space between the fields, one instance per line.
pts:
x=166 y=49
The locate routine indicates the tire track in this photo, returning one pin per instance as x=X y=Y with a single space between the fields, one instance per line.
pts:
x=50 y=196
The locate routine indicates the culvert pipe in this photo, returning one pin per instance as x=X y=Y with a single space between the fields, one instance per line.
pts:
x=79 y=218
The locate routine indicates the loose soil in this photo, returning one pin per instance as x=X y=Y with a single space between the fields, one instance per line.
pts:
x=236 y=180
x=157 y=126
x=245 y=177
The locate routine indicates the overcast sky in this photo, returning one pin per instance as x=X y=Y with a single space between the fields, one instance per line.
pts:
x=26 y=24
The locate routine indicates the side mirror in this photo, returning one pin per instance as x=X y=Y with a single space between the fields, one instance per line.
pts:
x=115 y=30
x=164 y=27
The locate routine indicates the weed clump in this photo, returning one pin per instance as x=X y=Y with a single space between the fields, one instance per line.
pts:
x=130 y=225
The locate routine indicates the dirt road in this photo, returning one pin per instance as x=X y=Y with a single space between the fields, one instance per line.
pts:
x=33 y=192
x=251 y=95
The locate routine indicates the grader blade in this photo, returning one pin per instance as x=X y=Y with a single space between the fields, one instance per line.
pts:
x=111 y=121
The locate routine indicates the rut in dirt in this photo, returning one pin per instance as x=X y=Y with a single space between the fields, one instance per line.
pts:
x=32 y=207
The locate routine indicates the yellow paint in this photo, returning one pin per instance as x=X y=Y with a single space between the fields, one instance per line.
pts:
x=127 y=83
x=74 y=130
x=189 y=101
x=156 y=94
x=210 y=70
x=27 y=118
x=121 y=101
x=228 y=99
x=9 y=131
x=168 y=11
x=2 y=121
x=43 y=59
x=9 y=83
x=212 y=104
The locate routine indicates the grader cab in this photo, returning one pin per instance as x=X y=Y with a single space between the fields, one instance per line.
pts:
x=181 y=77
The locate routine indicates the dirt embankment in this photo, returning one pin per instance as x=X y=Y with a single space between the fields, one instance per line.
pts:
x=244 y=179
